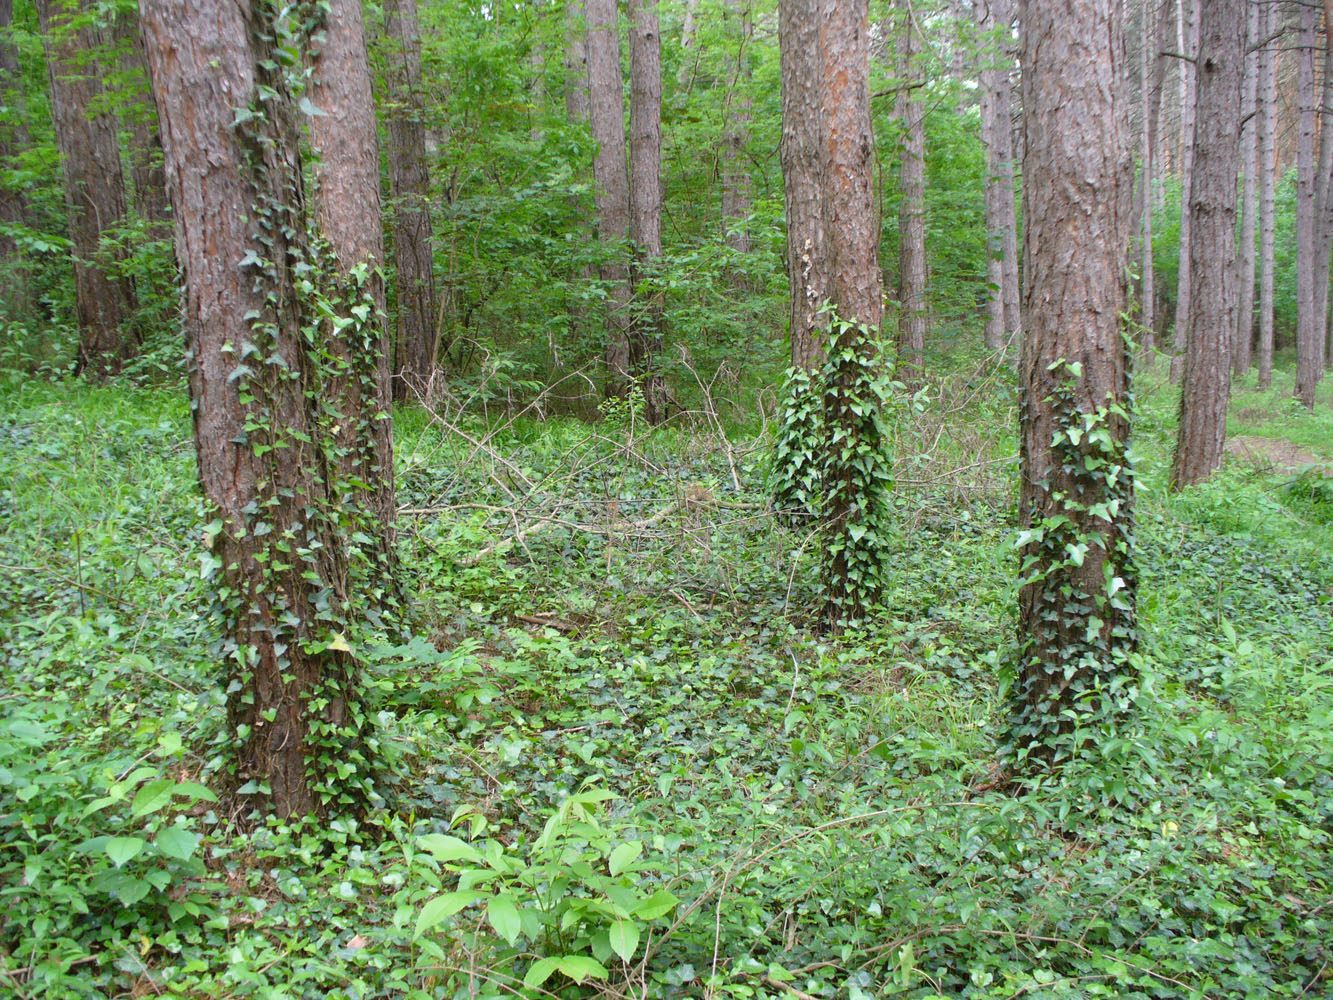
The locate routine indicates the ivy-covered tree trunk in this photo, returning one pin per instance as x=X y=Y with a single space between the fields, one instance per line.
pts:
x=94 y=182
x=1267 y=169
x=912 y=201
x=855 y=471
x=268 y=319
x=645 y=195
x=802 y=170
x=1076 y=596
x=606 y=102
x=409 y=183
x=1206 y=385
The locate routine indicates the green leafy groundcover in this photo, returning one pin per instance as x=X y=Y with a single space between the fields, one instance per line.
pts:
x=626 y=760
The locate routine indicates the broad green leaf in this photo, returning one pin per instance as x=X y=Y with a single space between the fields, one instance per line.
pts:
x=153 y=797
x=445 y=848
x=625 y=938
x=624 y=856
x=442 y=907
x=581 y=967
x=540 y=971
x=659 y=904
x=502 y=912
x=123 y=849
x=177 y=842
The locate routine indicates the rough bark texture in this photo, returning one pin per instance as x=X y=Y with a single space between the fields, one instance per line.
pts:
x=13 y=206
x=1324 y=194
x=94 y=185
x=409 y=186
x=347 y=213
x=1267 y=171
x=1077 y=206
x=264 y=455
x=802 y=171
x=606 y=99
x=736 y=136
x=1189 y=41
x=645 y=187
x=1308 y=340
x=1206 y=383
x=1242 y=352
x=1002 y=306
x=912 y=202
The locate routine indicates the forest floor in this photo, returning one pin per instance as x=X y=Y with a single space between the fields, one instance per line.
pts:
x=627 y=764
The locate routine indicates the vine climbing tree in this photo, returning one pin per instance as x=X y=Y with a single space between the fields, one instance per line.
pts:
x=284 y=345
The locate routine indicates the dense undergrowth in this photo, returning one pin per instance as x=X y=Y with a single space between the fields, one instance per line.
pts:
x=625 y=761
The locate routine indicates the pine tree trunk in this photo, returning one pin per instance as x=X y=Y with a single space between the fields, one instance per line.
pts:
x=1324 y=194
x=802 y=172
x=1242 y=352
x=145 y=151
x=347 y=212
x=607 y=116
x=1076 y=622
x=1308 y=327
x=645 y=189
x=912 y=203
x=1188 y=36
x=409 y=184
x=576 y=63
x=736 y=137
x=1002 y=323
x=94 y=184
x=1149 y=91
x=283 y=543
x=1206 y=383
x=13 y=137
x=1267 y=172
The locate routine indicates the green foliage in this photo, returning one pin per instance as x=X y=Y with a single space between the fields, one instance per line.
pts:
x=798 y=448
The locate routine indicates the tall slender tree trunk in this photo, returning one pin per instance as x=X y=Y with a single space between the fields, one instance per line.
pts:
x=736 y=136
x=1308 y=327
x=409 y=185
x=94 y=183
x=645 y=190
x=852 y=230
x=1267 y=172
x=802 y=172
x=145 y=148
x=13 y=206
x=1242 y=353
x=1188 y=28
x=1148 y=93
x=1324 y=194
x=1206 y=383
x=347 y=213
x=607 y=116
x=912 y=202
x=287 y=572
x=1002 y=313
x=1076 y=621
x=576 y=63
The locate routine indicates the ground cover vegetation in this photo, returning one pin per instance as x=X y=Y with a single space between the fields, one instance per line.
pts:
x=585 y=499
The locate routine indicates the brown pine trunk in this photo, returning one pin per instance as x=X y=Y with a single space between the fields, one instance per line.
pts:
x=347 y=213
x=94 y=184
x=409 y=184
x=606 y=100
x=13 y=137
x=1267 y=171
x=1149 y=91
x=1308 y=327
x=576 y=63
x=851 y=226
x=1324 y=194
x=735 y=138
x=1002 y=322
x=1188 y=37
x=1242 y=353
x=285 y=573
x=912 y=202
x=1206 y=383
x=645 y=189
x=802 y=172
x=1074 y=629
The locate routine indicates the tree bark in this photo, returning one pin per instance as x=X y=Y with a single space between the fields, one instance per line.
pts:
x=645 y=188
x=802 y=173
x=409 y=185
x=1076 y=621
x=1002 y=309
x=13 y=206
x=1308 y=327
x=1267 y=171
x=736 y=137
x=1324 y=195
x=1206 y=383
x=912 y=202
x=286 y=570
x=94 y=184
x=607 y=117
x=347 y=212
x=1242 y=352
x=576 y=63
x=145 y=149
x=1188 y=26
